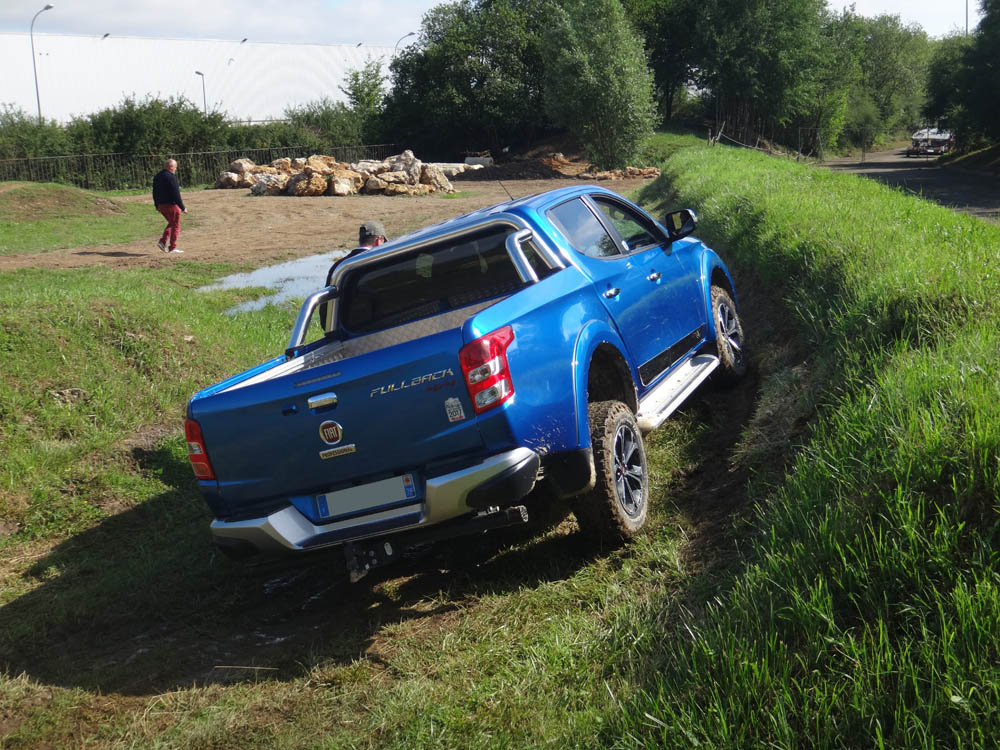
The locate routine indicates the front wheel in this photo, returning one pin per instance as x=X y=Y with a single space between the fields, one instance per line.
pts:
x=616 y=509
x=729 y=340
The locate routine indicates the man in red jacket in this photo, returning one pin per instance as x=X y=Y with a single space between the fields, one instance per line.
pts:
x=167 y=199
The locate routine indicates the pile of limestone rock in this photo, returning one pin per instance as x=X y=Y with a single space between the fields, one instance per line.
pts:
x=403 y=174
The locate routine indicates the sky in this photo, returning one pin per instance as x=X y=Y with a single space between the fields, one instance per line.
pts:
x=376 y=22
x=937 y=17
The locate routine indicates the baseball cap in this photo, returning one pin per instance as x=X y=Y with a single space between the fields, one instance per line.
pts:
x=372 y=229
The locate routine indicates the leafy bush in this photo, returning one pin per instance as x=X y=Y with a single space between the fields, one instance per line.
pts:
x=327 y=121
x=22 y=136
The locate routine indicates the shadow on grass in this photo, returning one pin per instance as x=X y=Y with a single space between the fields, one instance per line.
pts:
x=114 y=254
x=142 y=603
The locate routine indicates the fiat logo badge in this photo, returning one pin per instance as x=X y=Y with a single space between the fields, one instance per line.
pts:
x=331 y=432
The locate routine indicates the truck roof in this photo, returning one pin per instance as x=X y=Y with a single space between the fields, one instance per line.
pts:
x=525 y=206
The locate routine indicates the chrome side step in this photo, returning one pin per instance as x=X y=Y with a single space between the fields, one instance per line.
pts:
x=665 y=398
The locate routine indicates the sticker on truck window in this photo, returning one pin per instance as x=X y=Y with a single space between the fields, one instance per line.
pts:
x=453 y=408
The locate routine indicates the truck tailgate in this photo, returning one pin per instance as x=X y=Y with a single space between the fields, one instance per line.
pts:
x=344 y=423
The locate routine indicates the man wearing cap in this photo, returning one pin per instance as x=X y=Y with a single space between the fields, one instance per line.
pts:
x=370 y=234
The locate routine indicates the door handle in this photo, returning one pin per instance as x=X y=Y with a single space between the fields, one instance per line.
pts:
x=654 y=276
x=322 y=401
x=612 y=292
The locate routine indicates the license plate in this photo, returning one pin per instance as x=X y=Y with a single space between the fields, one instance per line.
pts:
x=368 y=498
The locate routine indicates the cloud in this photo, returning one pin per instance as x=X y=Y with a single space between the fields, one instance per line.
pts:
x=303 y=21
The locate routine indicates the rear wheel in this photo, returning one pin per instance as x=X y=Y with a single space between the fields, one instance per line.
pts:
x=729 y=340
x=616 y=509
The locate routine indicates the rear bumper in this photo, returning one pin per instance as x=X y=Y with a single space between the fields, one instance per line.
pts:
x=287 y=530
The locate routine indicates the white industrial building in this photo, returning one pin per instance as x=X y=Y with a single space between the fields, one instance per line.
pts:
x=245 y=80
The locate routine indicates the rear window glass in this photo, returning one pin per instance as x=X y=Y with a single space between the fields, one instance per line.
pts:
x=434 y=280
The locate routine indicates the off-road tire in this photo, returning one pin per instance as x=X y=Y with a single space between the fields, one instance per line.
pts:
x=730 y=342
x=616 y=509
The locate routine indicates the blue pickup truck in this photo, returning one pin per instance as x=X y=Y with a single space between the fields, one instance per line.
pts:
x=441 y=377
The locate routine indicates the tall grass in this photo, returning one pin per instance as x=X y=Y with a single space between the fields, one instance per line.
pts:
x=869 y=613
x=89 y=358
x=46 y=216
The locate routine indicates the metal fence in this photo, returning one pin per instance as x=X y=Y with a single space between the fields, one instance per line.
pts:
x=125 y=171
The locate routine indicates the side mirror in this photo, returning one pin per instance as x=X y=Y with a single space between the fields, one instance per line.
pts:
x=680 y=223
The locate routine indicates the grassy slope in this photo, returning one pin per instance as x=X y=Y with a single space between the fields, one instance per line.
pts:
x=984 y=160
x=870 y=612
x=36 y=217
x=867 y=606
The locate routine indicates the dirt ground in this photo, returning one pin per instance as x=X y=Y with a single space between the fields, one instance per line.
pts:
x=234 y=227
x=968 y=192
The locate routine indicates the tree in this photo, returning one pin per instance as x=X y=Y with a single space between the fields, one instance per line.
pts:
x=983 y=77
x=761 y=58
x=946 y=76
x=473 y=81
x=365 y=91
x=673 y=44
x=597 y=84
x=894 y=69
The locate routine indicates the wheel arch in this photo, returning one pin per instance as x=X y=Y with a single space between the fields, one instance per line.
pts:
x=599 y=362
x=715 y=273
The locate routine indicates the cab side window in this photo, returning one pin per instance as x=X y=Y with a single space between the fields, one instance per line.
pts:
x=637 y=231
x=583 y=230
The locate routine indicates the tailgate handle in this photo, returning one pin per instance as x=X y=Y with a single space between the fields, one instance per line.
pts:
x=322 y=401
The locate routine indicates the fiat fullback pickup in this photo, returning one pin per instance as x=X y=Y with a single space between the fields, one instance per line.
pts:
x=442 y=377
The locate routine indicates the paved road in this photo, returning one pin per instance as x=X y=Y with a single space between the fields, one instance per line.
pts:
x=971 y=192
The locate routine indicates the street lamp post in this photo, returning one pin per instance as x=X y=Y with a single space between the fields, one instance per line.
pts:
x=204 y=98
x=401 y=39
x=34 y=68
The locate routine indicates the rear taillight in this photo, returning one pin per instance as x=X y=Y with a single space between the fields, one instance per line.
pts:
x=484 y=365
x=196 y=451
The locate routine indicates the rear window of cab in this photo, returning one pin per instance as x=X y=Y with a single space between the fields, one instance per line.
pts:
x=466 y=270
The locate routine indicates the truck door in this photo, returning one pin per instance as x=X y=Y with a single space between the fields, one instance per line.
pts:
x=650 y=293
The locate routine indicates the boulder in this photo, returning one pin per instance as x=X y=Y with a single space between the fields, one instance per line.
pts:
x=241 y=165
x=227 y=180
x=398 y=178
x=298 y=163
x=405 y=162
x=434 y=176
x=303 y=184
x=397 y=189
x=247 y=180
x=259 y=170
x=342 y=186
x=450 y=169
x=282 y=165
x=318 y=165
x=374 y=185
x=370 y=166
x=356 y=178
x=269 y=184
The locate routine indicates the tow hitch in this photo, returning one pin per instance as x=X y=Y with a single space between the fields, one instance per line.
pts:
x=365 y=556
